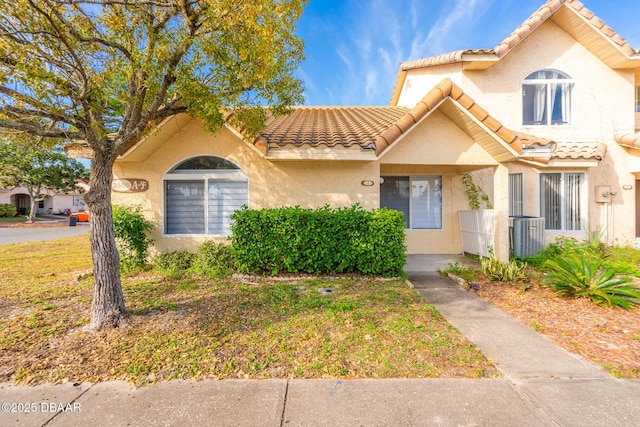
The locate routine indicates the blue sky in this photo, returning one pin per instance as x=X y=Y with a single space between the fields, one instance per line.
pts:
x=354 y=48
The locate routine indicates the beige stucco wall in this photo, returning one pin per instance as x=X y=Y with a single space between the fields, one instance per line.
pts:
x=603 y=99
x=437 y=141
x=434 y=147
x=603 y=106
x=271 y=184
x=53 y=203
x=419 y=82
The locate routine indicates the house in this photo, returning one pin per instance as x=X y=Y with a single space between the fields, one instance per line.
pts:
x=53 y=202
x=545 y=122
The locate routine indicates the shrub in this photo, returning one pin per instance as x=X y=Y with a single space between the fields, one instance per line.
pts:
x=318 y=241
x=499 y=271
x=623 y=260
x=466 y=273
x=582 y=278
x=131 y=230
x=175 y=264
x=590 y=248
x=8 y=211
x=213 y=260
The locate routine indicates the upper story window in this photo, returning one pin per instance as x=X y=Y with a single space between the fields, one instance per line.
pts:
x=637 y=99
x=546 y=98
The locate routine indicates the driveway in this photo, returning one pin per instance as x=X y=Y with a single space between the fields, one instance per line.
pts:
x=34 y=234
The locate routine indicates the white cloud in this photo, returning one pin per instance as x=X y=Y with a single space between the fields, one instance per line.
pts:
x=463 y=12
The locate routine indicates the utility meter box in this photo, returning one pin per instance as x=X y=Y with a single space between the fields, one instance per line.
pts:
x=603 y=194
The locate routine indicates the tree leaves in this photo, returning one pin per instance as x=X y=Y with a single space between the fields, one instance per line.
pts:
x=39 y=169
x=107 y=71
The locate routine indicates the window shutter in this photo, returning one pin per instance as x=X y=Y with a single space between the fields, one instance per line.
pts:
x=516 y=195
x=184 y=207
x=225 y=197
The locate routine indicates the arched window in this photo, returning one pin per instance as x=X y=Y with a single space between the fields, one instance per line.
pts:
x=201 y=193
x=546 y=98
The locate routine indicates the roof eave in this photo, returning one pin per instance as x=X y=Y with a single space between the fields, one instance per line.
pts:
x=160 y=134
x=78 y=150
x=478 y=62
x=319 y=154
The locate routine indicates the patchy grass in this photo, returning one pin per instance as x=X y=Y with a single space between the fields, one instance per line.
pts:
x=216 y=328
x=13 y=219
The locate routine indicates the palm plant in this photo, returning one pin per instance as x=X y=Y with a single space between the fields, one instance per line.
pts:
x=583 y=278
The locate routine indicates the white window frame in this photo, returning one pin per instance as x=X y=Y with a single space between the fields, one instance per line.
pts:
x=411 y=179
x=583 y=202
x=205 y=176
x=516 y=205
x=547 y=82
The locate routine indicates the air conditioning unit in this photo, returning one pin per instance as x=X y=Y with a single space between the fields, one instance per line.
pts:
x=526 y=235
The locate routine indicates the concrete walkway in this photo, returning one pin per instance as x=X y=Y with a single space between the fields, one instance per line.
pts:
x=543 y=385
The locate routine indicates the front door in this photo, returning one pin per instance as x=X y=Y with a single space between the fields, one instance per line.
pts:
x=22 y=203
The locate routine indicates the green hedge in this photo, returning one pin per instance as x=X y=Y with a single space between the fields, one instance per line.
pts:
x=8 y=211
x=319 y=241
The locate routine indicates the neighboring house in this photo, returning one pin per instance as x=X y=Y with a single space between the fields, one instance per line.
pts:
x=545 y=122
x=53 y=202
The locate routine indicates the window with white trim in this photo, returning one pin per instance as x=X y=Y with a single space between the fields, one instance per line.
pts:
x=561 y=200
x=201 y=193
x=546 y=98
x=516 y=194
x=419 y=198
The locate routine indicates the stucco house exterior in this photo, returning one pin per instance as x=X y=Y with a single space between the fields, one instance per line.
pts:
x=52 y=203
x=546 y=123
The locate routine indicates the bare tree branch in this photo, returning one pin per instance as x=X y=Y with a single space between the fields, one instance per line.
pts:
x=38 y=130
x=17 y=113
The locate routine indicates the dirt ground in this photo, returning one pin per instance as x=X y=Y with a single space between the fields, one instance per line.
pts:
x=607 y=336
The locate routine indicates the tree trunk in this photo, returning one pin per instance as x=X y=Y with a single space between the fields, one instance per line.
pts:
x=34 y=208
x=107 y=307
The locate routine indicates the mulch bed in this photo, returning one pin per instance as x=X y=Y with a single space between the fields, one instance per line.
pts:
x=605 y=335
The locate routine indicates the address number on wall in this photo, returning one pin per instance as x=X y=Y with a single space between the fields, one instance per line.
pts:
x=129 y=185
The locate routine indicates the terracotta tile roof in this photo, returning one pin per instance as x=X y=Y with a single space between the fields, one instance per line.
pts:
x=629 y=140
x=379 y=127
x=579 y=150
x=328 y=126
x=526 y=28
x=447 y=89
x=382 y=126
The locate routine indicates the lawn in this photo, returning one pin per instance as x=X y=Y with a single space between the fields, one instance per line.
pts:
x=222 y=328
x=12 y=220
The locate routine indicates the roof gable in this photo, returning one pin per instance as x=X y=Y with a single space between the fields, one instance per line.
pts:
x=366 y=133
x=571 y=15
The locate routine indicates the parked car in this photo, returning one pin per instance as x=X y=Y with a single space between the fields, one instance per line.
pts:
x=82 y=216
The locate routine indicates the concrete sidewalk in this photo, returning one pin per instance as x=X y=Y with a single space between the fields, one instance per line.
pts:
x=330 y=402
x=543 y=385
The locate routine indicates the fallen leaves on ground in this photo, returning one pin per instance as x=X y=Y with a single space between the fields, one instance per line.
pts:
x=608 y=336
